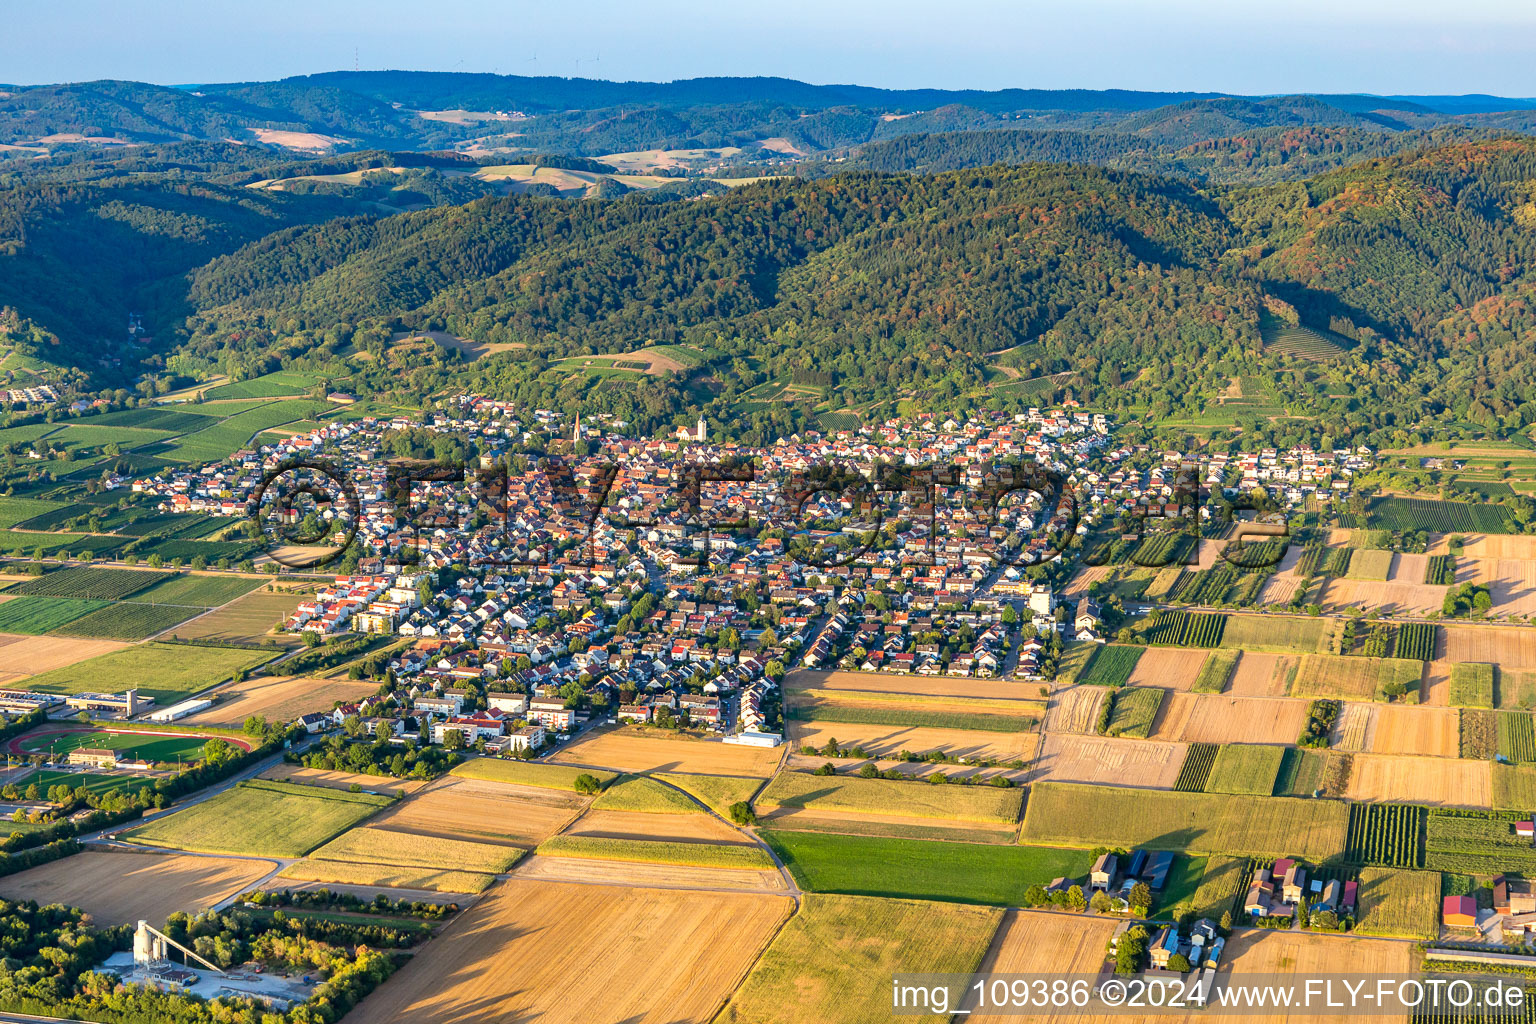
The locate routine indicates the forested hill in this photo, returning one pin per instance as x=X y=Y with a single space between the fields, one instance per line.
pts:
x=1141 y=288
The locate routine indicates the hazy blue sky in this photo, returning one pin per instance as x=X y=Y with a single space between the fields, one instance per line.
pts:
x=1248 y=46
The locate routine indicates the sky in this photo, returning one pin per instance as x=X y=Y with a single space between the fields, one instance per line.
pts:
x=1238 y=46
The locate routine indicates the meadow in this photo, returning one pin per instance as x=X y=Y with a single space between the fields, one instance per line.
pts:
x=956 y=872
x=166 y=672
x=270 y=819
x=1399 y=904
x=638 y=793
x=523 y=773
x=1067 y=814
x=882 y=796
x=717 y=792
x=405 y=849
x=647 y=851
x=804 y=974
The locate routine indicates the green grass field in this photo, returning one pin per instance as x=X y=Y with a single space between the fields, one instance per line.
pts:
x=1472 y=685
x=1067 y=814
x=1216 y=671
x=638 y=793
x=1370 y=565
x=1112 y=665
x=1134 y=710
x=956 y=872
x=271 y=819
x=35 y=615
x=882 y=796
x=1245 y=768
x=19 y=510
x=166 y=672
x=523 y=773
x=91 y=782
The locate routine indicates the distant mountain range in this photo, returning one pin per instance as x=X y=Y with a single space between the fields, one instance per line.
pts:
x=740 y=120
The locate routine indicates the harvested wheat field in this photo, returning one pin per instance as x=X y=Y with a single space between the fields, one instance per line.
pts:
x=1435 y=691
x=1278 y=590
x=1396 y=598
x=1491 y=545
x=1263 y=675
x=1219 y=718
x=1169 y=668
x=667 y=957
x=1077 y=708
x=1084 y=578
x=1140 y=763
x=629 y=750
x=902 y=683
x=681 y=828
x=121 y=888
x=1408 y=568
x=889 y=740
x=1422 y=780
x=589 y=871
x=1035 y=943
x=1256 y=951
x=278 y=699
x=1404 y=729
x=340 y=780
x=454 y=808
x=1511 y=583
x=1505 y=646
x=34 y=655
x=1353 y=731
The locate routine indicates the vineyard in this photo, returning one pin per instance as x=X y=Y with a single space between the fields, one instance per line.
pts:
x=1207 y=587
x=1517 y=739
x=1472 y=685
x=1415 y=640
x=1479 y=734
x=1251 y=554
x=1391 y=835
x=89 y=583
x=1441 y=570
x=1165 y=549
x=1437 y=516
x=1319 y=560
x=1186 y=629
x=1474 y=842
x=1198 y=761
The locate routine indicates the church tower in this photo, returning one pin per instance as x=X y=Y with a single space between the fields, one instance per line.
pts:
x=699 y=434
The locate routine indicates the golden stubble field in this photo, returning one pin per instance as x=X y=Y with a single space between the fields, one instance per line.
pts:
x=1077 y=708
x=1029 y=942
x=1169 y=668
x=455 y=808
x=1107 y=760
x=573 y=954
x=1511 y=582
x=625 y=749
x=34 y=655
x=122 y=888
x=1423 y=780
x=1220 y=718
x=340 y=780
x=278 y=699
x=1386 y=596
x=901 y=683
x=889 y=740
x=1262 y=675
x=1404 y=729
x=1506 y=646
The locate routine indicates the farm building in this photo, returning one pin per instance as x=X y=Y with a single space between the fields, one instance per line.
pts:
x=126 y=704
x=182 y=710
x=1104 y=872
x=1459 y=912
x=1513 y=895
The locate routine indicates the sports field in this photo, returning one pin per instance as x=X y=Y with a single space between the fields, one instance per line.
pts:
x=140 y=744
x=272 y=819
